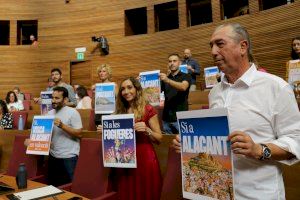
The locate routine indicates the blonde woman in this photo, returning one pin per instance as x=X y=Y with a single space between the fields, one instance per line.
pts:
x=144 y=182
x=104 y=74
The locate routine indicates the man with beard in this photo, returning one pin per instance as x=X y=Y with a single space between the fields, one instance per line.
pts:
x=65 y=147
x=192 y=66
x=176 y=88
x=56 y=76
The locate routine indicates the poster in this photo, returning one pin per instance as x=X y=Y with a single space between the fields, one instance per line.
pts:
x=150 y=82
x=46 y=102
x=105 y=101
x=184 y=69
x=210 y=75
x=118 y=137
x=40 y=136
x=207 y=171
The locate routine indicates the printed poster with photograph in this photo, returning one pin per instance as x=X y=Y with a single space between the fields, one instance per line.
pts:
x=206 y=158
x=184 y=69
x=118 y=137
x=105 y=101
x=293 y=71
x=40 y=136
x=46 y=102
x=210 y=74
x=150 y=82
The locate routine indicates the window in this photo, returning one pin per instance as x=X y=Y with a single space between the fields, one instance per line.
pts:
x=136 y=21
x=166 y=16
x=267 y=4
x=233 y=8
x=25 y=29
x=4 y=32
x=198 y=12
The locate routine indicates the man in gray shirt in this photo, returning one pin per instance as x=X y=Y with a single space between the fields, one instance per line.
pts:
x=56 y=76
x=65 y=147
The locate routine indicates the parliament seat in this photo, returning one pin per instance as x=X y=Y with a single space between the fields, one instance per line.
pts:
x=90 y=177
x=26 y=104
x=19 y=156
x=16 y=116
x=172 y=185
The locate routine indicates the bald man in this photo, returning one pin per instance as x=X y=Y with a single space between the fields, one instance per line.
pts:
x=192 y=66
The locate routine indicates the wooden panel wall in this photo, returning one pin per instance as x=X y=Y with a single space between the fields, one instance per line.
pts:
x=63 y=27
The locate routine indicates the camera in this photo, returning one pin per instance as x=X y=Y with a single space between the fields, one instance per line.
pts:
x=96 y=39
x=103 y=44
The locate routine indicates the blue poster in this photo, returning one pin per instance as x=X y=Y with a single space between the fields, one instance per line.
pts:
x=150 y=82
x=118 y=137
x=105 y=100
x=40 y=136
x=184 y=69
x=206 y=154
x=46 y=102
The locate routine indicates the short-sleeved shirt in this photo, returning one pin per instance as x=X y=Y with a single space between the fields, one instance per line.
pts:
x=175 y=100
x=63 y=145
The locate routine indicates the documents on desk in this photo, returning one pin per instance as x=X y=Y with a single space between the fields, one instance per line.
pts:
x=38 y=193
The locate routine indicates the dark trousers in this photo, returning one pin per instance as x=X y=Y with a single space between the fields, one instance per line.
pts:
x=61 y=170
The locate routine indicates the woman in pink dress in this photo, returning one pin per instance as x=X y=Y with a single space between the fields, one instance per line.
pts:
x=144 y=182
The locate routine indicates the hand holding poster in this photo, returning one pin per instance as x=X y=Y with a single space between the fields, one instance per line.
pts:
x=40 y=136
x=150 y=82
x=46 y=102
x=105 y=98
x=206 y=155
x=118 y=137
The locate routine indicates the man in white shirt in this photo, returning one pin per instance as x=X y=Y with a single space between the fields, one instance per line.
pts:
x=65 y=147
x=263 y=116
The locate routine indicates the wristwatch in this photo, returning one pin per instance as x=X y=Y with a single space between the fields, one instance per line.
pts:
x=266 y=152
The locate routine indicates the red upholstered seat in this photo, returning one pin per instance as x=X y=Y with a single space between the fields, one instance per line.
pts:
x=27 y=96
x=172 y=185
x=90 y=177
x=19 y=156
x=92 y=125
x=16 y=115
x=26 y=104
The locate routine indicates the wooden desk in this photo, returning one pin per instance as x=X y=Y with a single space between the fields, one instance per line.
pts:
x=11 y=181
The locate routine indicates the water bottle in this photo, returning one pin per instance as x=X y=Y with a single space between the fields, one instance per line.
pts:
x=21 y=177
x=20 y=123
x=162 y=99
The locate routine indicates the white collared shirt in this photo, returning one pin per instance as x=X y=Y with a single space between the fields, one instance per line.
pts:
x=263 y=106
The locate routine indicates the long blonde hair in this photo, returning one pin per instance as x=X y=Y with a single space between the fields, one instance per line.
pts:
x=139 y=102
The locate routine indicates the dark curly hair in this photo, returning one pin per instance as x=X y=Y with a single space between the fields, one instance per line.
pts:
x=8 y=95
x=4 y=107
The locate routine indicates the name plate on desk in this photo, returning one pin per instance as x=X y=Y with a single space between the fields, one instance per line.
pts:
x=36 y=193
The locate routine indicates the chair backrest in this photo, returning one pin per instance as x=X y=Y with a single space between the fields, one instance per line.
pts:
x=90 y=177
x=16 y=116
x=92 y=124
x=27 y=96
x=172 y=185
x=19 y=156
x=26 y=104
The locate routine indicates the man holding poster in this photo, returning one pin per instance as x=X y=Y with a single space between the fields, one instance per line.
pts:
x=65 y=147
x=264 y=119
x=176 y=89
